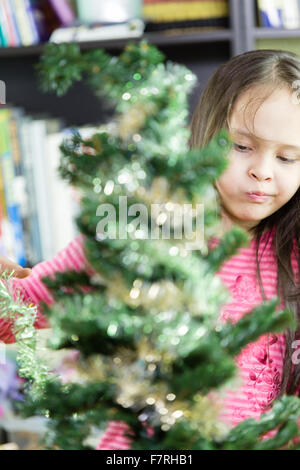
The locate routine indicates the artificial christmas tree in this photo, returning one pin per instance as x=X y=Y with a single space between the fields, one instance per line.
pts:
x=146 y=322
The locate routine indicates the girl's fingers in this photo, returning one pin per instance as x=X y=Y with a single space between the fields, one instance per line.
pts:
x=22 y=272
x=19 y=271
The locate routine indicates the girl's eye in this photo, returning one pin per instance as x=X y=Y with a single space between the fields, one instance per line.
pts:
x=243 y=148
x=286 y=160
x=240 y=148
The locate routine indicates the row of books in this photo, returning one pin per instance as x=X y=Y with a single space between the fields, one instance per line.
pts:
x=181 y=14
x=37 y=207
x=27 y=22
x=176 y=10
x=279 y=13
x=163 y=15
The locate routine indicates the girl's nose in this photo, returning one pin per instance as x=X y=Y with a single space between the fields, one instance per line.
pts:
x=260 y=175
x=261 y=171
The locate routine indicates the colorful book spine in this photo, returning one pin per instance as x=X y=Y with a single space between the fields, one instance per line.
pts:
x=62 y=215
x=8 y=172
x=63 y=11
x=189 y=10
x=19 y=180
x=12 y=14
x=3 y=214
x=270 y=13
x=39 y=130
x=45 y=18
x=9 y=24
x=31 y=21
x=2 y=38
x=23 y=22
x=3 y=27
x=15 y=147
x=34 y=239
x=39 y=20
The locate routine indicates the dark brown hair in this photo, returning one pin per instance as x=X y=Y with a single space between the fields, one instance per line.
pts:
x=270 y=69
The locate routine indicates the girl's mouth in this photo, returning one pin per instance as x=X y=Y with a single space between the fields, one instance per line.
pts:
x=258 y=197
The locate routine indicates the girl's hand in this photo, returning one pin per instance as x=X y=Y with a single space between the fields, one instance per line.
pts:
x=6 y=264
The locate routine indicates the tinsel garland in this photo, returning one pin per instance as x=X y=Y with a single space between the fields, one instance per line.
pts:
x=23 y=317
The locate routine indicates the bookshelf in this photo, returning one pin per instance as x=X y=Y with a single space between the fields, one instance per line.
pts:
x=202 y=51
x=251 y=32
x=206 y=50
x=274 y=33
x=158 y=39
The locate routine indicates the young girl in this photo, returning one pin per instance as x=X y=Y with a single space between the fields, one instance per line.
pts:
x=252 y=96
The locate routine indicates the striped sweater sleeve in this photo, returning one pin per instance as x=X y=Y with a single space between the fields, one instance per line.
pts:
x=115 y=437
x=33 y=290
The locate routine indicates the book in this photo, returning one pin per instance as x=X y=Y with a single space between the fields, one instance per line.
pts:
x=3 y=221
x=290 y=14
x=31 y=20
x=21 y=189
x=2 y=38
x=23 y=22
x=15 y=141
x=63 y=214
x=270 y=13
x=12 y=16
x=8 y=174
x=177 y=11
x=63 y=11
x=11 y=35
x=39 y=130
x=19 y=182
x=96 y=32
x=14 y=21
x=3 y=27
x=32 y=227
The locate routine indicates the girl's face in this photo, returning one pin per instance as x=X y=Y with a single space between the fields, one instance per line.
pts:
x=265 y=157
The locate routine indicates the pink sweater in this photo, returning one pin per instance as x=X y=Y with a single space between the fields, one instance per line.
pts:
x=259 y=363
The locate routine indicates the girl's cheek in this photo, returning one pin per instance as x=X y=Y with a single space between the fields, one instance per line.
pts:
x=231 y=168
x=236 y=163
x=233 y=157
